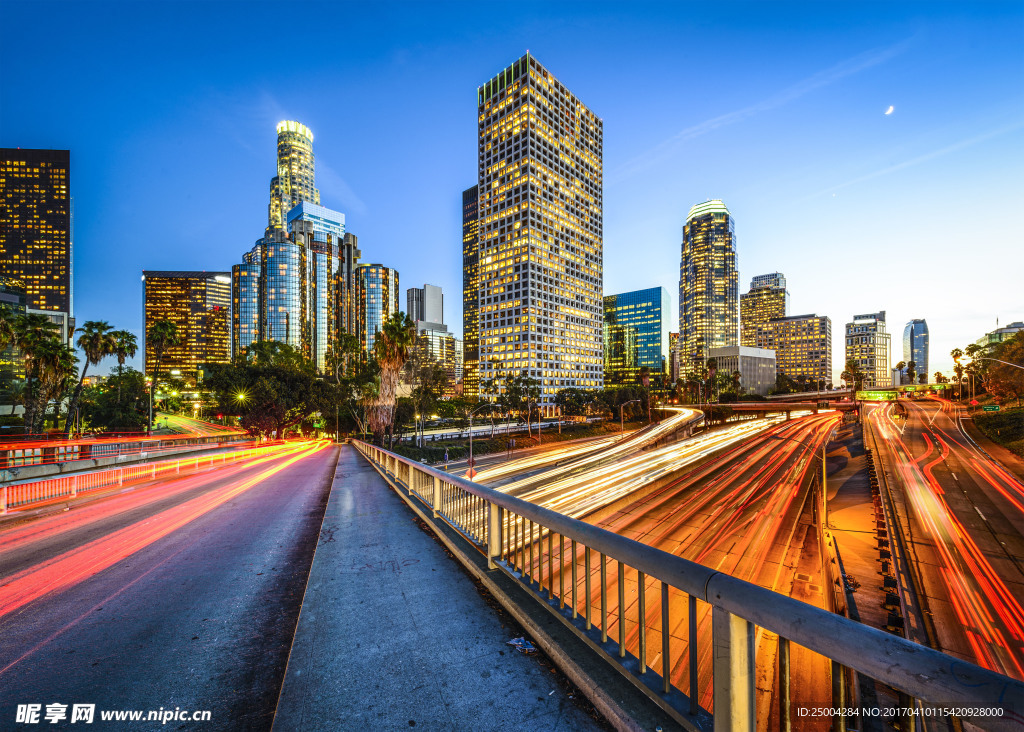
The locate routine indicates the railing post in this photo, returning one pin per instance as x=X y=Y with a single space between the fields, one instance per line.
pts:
x=3 y=501
x=74 y=486
x=734 y=671
x=493 y=534
x=436 y=501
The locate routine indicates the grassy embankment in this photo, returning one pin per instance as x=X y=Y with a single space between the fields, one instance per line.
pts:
x=1005 y=427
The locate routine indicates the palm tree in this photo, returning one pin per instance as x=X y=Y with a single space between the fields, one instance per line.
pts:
x=391 y=348
x=124 y=348
x=7 y=320
x=33 y=333
x=899 y=367
x=911 y=370
x=958 y=367
x=162 y=335
x=56 y=363
x=852 y=375
x=97 y=343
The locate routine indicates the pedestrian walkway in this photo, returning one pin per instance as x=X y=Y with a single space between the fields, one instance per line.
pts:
x=394 y=634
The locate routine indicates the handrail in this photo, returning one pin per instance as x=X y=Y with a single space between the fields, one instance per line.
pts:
x=927 y=674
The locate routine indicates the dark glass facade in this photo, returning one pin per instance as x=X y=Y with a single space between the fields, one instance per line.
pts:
x=35 y=225
x=708 y=283
x=12 y=297
x=377 y=300
x=636 y=333
x=915 y=346
x=470 y=294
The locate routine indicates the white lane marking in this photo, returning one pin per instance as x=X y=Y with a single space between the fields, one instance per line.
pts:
x=954 y=476
x=980 y=513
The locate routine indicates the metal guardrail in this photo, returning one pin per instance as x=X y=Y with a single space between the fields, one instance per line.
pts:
x=512 y=533
x=19 y=495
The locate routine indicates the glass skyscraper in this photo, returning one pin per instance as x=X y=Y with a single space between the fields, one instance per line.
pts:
x=708 y=283
x=197 y=303
x=767 y=299
x=470 y=294
x=376 y=301
x=915 y=346
x=296 y=172
x=636 y=333
x=540 y=177
x=35 y=226
x=867 y=343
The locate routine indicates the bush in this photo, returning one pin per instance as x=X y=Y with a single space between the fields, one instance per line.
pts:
x=1005 y=428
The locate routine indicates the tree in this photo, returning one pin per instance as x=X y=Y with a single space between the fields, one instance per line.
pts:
x=958 y=368
x=911 y=371
x=97 y=343
x=1003 y=380
x=160 y=337
x=939 y=378
x=55 y=369
x=852 y=375
x=573 y=402
x=124 y=348
x=7 y=320
x=127 y=413
x=922 y=378
x=901 y=367
x=391 y=350
x=33 y=335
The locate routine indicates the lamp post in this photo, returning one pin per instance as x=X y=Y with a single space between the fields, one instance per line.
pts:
x=471 y=473
x=622 y=407
x=824 y=471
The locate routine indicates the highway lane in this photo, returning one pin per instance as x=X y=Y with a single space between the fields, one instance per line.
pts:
x=197 y=427
x=964 y=525
x=182 y=594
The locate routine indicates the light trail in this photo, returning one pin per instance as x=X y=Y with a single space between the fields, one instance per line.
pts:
x=85 y=561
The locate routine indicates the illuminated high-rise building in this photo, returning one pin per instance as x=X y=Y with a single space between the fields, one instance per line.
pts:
x=12 y=298
x=470 y=294
x=295 y=179
x=425 y=303
x=245 y=302
x=768 y=299
x=867 y=343
x=376 y=299
x=802 y=345
x=708 y=283
x=540 y=176
x=36 y=226
x=915 y=346
x=345 y=285
x=636 y=334
x=197 y=303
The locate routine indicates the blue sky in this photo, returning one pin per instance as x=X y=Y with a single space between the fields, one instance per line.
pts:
x=169 y=111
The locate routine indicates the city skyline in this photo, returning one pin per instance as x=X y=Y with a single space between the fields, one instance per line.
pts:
x=807 y=132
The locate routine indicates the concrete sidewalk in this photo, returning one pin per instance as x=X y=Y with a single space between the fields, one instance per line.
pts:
x=393 y=634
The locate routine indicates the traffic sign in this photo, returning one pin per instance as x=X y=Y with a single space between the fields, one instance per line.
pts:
x=990 y=408
x=471 y=473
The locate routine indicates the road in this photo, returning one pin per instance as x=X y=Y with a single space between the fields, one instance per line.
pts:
x=963 y=519
x=181 y=593
x=186 y=425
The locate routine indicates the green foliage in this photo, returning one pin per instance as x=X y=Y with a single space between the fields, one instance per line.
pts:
x=1005 y=428
x=119 y=406
x=573 y=402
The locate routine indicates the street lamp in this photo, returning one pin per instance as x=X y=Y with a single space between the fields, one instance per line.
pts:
x=471 y=473
x=824 y=470
x=622 y=427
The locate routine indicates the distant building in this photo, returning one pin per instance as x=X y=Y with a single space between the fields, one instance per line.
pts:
x=868 y=343
x=436 y=345
x=198 y=303
x=540 y=172
x=756 y=367
x=767 y=299
x=12 y=297
x=376 y=301
x=470 y=294
x=36 y=227
x=997 y=336
x=915 y=346
x=802 y=345
x=708 y=283
x=425 y=303
x=635 y=333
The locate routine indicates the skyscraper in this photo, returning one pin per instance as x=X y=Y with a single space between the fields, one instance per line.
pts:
x=12 y=297
x=802 y=345
x=768 y=298
x=35 y=226
x=345 y=284
x=708 y=283
x=296 y=169
x=197 y=303
x=470 y=294
x=376 y=300
x=915 y=346
x=636 y=333
x=245 y=301
x=867 y=343
x=425 y=303
x=319 y=231
x=540 y=174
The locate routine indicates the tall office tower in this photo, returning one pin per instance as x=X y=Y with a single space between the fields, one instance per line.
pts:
x=245 y=302
x=867 y=343
x=646 y=313
x=345 y=285
x=198 y=303
x=470 y=294
x=802 y=345
x=12 y=365
x=436 y=345
x=915 y=346
x=674 y=369
x=294 y=182
x=376 y=300
x=768 y=299
x=425 y=303
x=540 y=175
x=35 y=227
x=319 y=231
x=708 y=283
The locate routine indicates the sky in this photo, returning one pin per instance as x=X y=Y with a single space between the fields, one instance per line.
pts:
x=779 y=109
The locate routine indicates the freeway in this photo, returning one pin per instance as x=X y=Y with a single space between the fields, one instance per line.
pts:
x=963 y=523
x=186 y=425
x=180 y=593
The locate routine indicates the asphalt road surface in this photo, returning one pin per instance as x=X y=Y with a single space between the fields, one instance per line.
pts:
x=181 y=594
